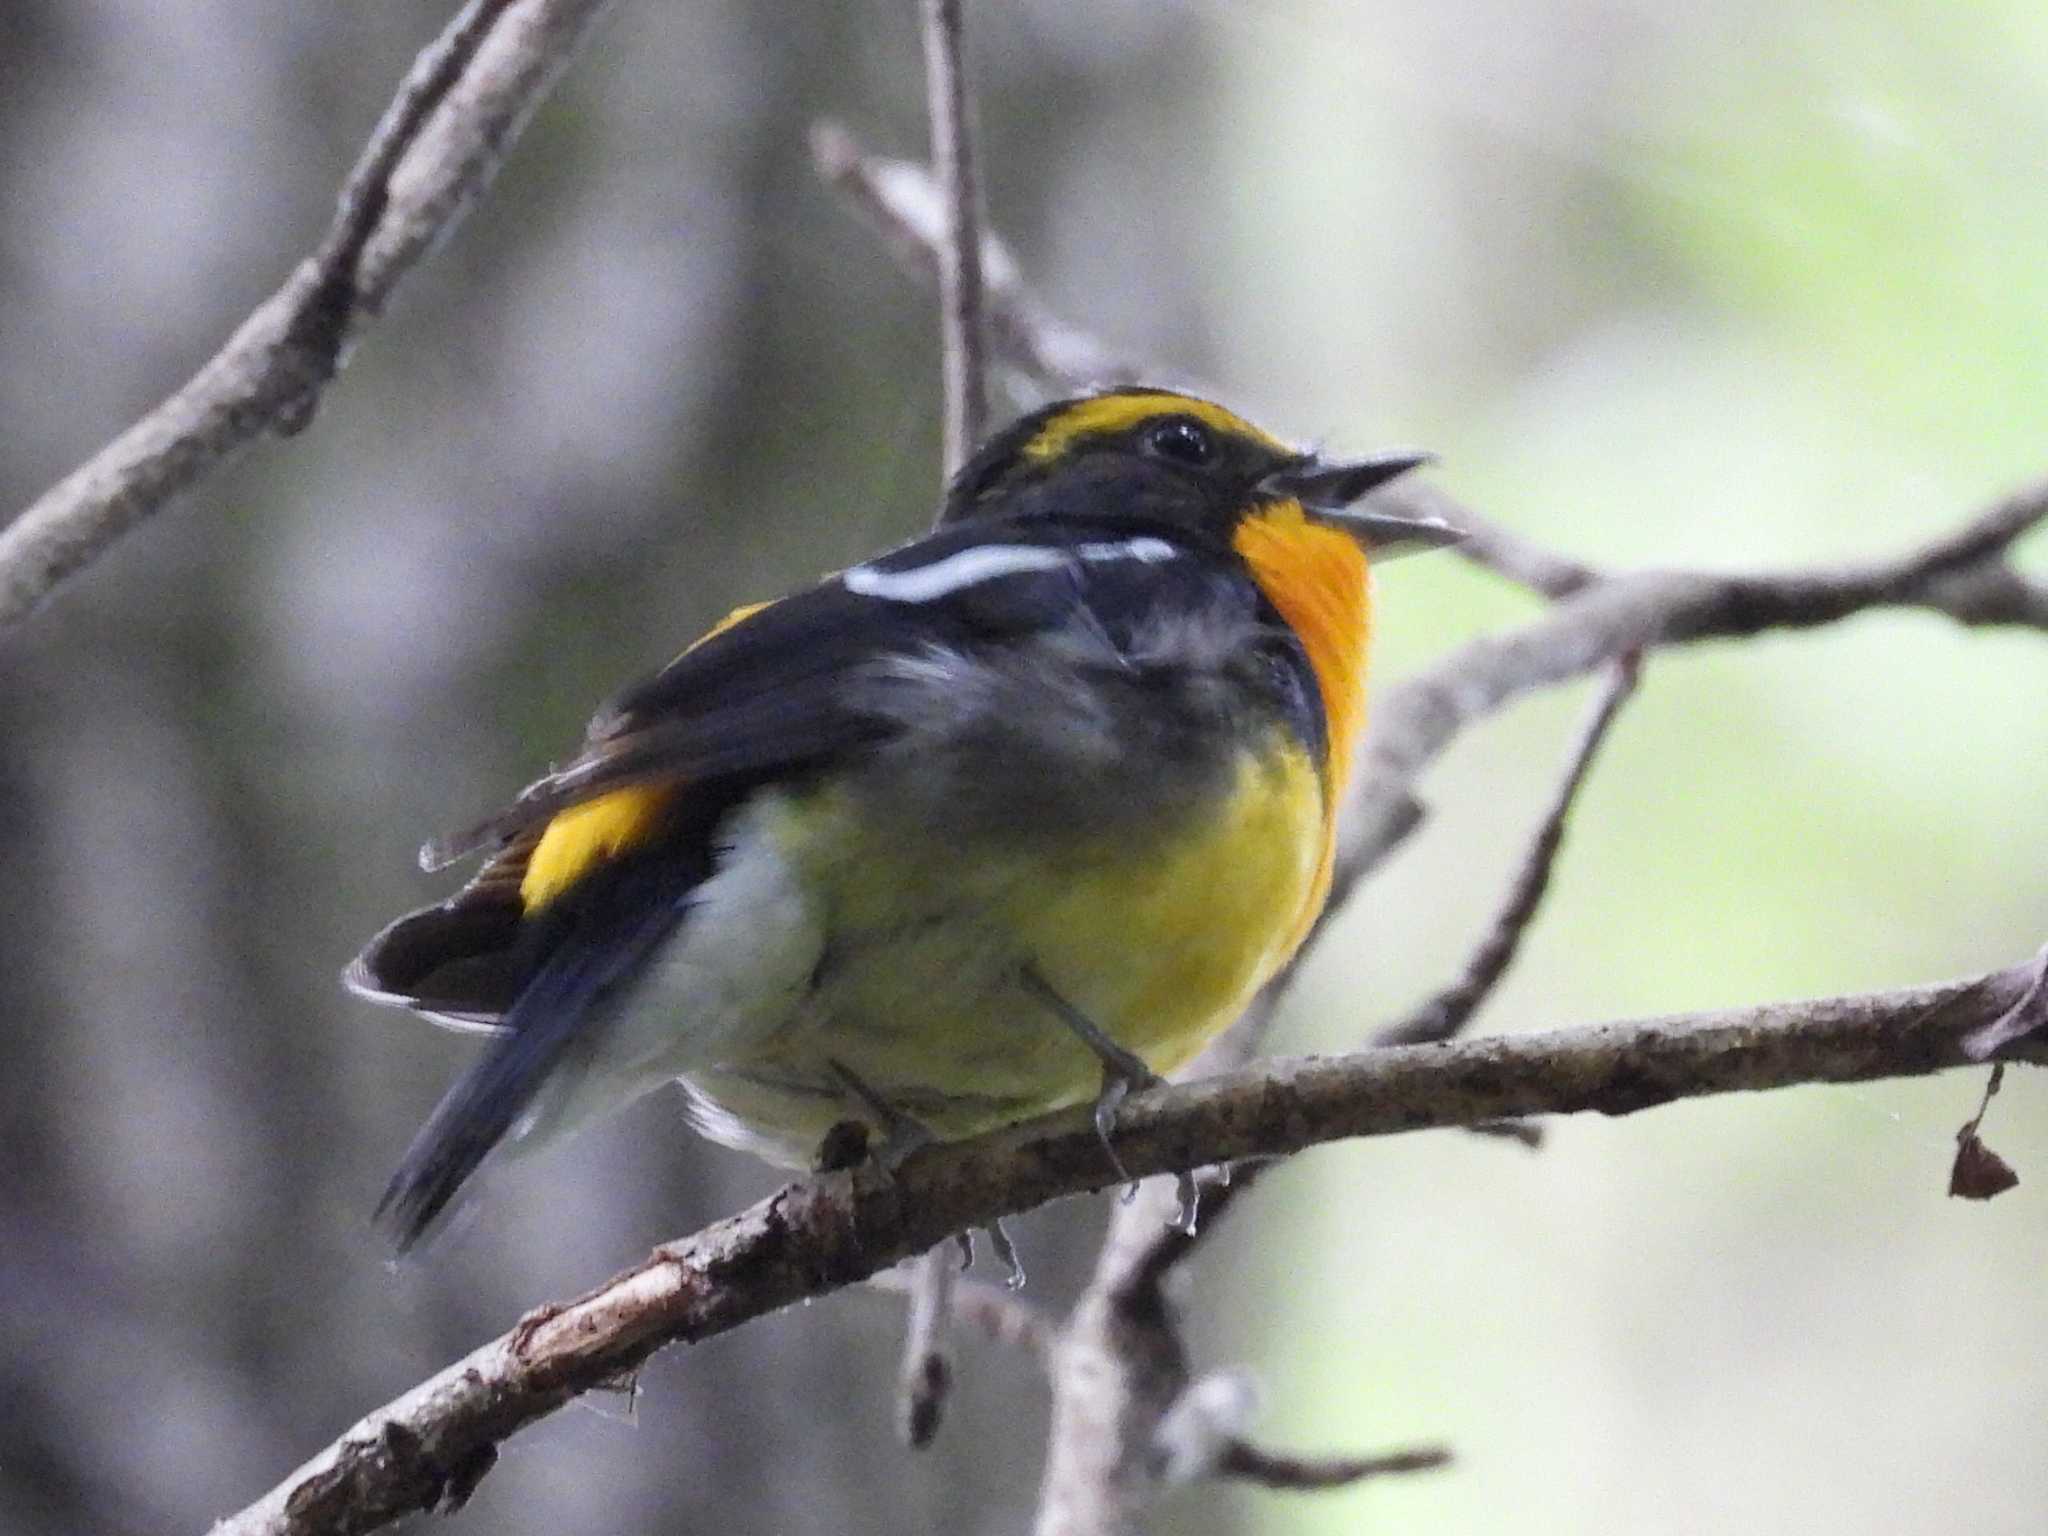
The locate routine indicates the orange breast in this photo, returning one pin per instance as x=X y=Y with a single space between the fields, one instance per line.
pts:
x=1318 y=579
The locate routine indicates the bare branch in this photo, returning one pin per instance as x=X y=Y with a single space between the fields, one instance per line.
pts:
x=2017 y=1022
x=440 y=142
x=960 y=304
x=1273 y=1469
x=903 y=203
x=1989 y=594
x=824 y=1233
x=996 y=1312
x=1125 y=1418
x=1490 y=545
x=1418 y=717
x=926 y=1375
x=1119 y=1369
x=1451 y=1009
x=1984 y=538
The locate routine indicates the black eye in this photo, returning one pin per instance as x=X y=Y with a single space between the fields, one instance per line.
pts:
x=1181 y=440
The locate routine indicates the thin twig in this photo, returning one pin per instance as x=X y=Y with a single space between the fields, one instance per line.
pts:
x=1418 y=717
x=926 y=1375
x=1273 y=1469
x=1520 y=1132
x=1202 y=1437
x=960 y=286
x=2027 y=1016
x=320 y=329
x=1491 y=545
x=1118 y=1370
x=1451 y=1009
x=997 y=1313
x=902 y=202
x=437 y=147
x=1126 y=1420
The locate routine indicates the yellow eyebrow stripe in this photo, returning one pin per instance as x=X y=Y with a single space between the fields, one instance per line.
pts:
x=1106 y=415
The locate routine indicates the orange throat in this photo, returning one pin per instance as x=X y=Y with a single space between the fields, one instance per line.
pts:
x=1318 y=579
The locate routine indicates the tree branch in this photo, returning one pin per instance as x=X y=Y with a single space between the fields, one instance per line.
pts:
x=1415 y=719
x=1127 y=1421
x=1271 y=1469
x=824 y=1233
x=438 y=145
x=926 y=1375
x=1118 y=1370
x=996 y=1312
x=959 y=248
x=1449 y=1010
x=903 y=203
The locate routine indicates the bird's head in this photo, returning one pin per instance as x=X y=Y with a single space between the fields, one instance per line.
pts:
x=1157 y=455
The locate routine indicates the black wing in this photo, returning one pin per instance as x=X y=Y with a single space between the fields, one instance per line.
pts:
x=768 y=694
x=761 y=700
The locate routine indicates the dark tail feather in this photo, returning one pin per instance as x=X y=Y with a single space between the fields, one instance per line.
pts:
x=550 y=1016
x=488 y=1099
x=546 y=973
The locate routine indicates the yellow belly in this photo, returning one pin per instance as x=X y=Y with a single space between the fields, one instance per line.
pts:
x=1160 y=937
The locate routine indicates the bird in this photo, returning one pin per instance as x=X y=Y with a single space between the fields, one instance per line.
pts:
x=1016 y=816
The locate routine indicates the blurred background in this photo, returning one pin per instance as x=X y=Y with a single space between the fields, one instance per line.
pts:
x=1729 y=284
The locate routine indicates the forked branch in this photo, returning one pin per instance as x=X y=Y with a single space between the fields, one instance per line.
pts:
x=464 y=103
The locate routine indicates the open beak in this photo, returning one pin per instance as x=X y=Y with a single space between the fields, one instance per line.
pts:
x=1328 y=493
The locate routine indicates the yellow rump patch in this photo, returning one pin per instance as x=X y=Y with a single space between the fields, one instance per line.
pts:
x=585 y=835
x=1105 y=415
x=1317 y=578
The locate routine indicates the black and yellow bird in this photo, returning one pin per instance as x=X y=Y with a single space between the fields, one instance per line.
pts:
x=1012 y=817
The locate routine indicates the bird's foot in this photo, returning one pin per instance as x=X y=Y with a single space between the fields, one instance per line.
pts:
x=1124 y=1072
